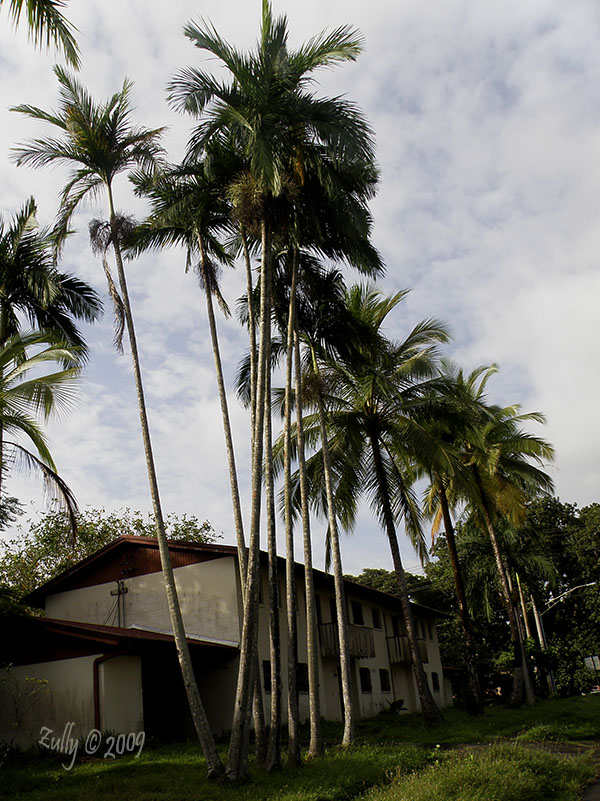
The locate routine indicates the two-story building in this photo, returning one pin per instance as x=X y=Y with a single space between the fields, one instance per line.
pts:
x=106 y=655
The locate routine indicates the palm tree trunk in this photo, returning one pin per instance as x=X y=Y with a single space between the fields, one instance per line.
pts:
x=338 y=576
x=213 y=760
x=474 y=699
x=251 y=326
x=429 y=708
x=290 y=562
x=237 y=756
x=312 y=641
x=516 y=696
x=272 y=759
x=259 y=723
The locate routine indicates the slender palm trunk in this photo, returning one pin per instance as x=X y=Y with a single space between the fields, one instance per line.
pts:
x=429 y=708
x=272 y=758
x=474 y=698
x=213 y=760
x=290 y=562
x=312 y=640
x=237 y=756
x=251 y=327
x=519 y=667
x=259 y=726
x=338 y=576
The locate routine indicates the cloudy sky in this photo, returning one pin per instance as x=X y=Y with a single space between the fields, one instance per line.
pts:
x=487 y=117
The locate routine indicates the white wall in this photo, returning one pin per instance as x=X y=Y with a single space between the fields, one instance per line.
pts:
x=207 y=595
x=121 y=703
x=66 y=697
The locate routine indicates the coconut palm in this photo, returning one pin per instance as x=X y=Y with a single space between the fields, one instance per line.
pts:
x=505 y=465
x=47 y=25
x=281 y=129
x=99 y=142
x=370 y=394
x=32 y=287
x=29 y=392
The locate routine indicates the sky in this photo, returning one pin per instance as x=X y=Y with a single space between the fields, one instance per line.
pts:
x=487 y=122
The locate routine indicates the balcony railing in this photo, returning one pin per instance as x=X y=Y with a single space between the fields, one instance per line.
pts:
x=361 y=641
x=399 y=651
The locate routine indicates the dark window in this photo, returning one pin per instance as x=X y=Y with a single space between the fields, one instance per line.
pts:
x=376 y=618
x=318 y=608
x=261 y=599
x=430 y=630
x=395 y=626
x=266 y=665
x=332 y=610
x=365 y=680
x=302 y=677
x=384 y=680
x=357 y=613
x=435 y=682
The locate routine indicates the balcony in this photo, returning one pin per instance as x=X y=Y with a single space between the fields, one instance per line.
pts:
x=399 y=651
x=360 y=641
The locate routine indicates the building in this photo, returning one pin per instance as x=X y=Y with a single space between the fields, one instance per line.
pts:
x=107 y=659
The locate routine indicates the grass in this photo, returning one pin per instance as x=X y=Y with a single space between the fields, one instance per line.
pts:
x=498 y=773
x=396 y=757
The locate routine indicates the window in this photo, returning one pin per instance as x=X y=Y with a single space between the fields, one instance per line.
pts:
x=261 y=599
x=395 y=626
x=302 y=677
x=384 y=680
x=365 y=680
x=435 y=682
x=318 y=609
x=266 y=666
x=376 y=618
x=357 y=613
x=430 y=630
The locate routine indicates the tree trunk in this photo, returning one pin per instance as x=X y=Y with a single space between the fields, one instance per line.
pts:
x=474 y=699
x=312 y=639
x=516 y=696
x=237 y=757
x=213 y=760
x=272 y=759
x=429 y=708
x=259 y=723
x=290 y=571
x=338 y=576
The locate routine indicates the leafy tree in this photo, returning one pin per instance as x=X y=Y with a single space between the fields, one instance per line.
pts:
x=45 y=549
x=47 y=25
x=99 y=142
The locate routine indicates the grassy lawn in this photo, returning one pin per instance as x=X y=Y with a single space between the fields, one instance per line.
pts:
x=395 y=758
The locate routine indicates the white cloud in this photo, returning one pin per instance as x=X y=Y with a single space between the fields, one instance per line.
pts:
x=486 y=119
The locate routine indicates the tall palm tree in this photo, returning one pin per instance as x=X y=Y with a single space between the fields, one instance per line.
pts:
x=281 y=129
x=29 y=392
x=47 y=25
x=505 y=464
x=99 y=142
x=370 y=396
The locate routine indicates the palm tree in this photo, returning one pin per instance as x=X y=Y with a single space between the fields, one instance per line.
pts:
x=505 y=465
x=281 y=130
x=32 y=286
x=24 y=398
x=370 y=394
x=47 y=25
x=99 y=142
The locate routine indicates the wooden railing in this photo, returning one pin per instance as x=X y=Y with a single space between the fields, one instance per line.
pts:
x=399 y=651
x=361 y=641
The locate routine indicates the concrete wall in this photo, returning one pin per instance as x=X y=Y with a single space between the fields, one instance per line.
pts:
x=67 y=696
x=207 y=594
